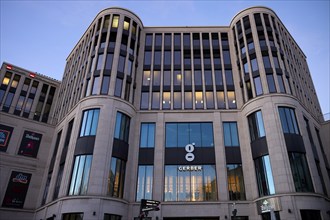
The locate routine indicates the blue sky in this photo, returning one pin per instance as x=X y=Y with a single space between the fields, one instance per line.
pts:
x=39 y=35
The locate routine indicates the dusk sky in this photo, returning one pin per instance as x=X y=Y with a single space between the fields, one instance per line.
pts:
x=39 y=35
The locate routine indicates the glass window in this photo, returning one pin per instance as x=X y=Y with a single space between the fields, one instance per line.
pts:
x=188 y=100
x=230 y=134
x=144 y=182
x=271 y=83
x=89 y=122
x=116 y=178
x=28 y=105
x=99 y=62
x=126 y=24
x=166 y=100
x=221 y=100
x=187 y=78
x=129 y=67
x=6 y=79
x=177 y=100
x=276 y=63
x=167 y=58
x=254 y=65
x=96 y=85
x=105 y=85
x=72 y=216
x=157 y=58
x=147 y=135
x=92 y=66
x=235 y=179
x=231 y=99
x=118 y=87
x=177 y=40
x=144 y=100
x=264 y=176
x=246 y=68
x=121 y=64
x=177 y=57
x=229 y=77
x=156 y=78
x=226 y=57
x=108 y=62
x=280 y=83
x=288 y=120
x=218 y=77
x=198 y=77
x=80 y=175
x=249 y=89
x=167 y=40
x=167 y=78
x=256 y=125
x=177 y=78
x=199 y=103
x=15 y=81
x=20 y=102
x=147 y=58
x=300 y=172
x=58 y=181
x=181 y=134
x=266 y=62
x=186 y=40
x=310 y=214
x=158 y=40
x=115 y=21
x=122 y=127
x=148 y=42
x=146 y=78
x=258 y=86
x=209 y=100
x=208 y=77
x=199 y=185
x=155 y=100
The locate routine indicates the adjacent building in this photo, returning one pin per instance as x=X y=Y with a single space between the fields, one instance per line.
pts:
x=215 y=122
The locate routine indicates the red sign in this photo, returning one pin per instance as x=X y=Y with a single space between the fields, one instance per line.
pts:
x=32 y=75
x=9 y=67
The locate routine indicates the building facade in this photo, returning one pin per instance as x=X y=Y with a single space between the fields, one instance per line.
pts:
x=215 y=122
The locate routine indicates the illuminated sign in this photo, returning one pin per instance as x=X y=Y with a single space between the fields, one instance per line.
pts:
x=190 y=168
x=9 y=67
x=268 y=205
x=32 y=75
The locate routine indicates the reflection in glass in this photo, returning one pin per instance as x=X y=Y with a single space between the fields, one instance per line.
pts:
x=221 y=100
x=230 y=134
x=271 y=83
x=264 y=176
x=144 y=182
x=231 y=99
x=256 y=125
x=190 y=185
x=235 y=179
x=80 y=175
x=300 y=172
x=177 y=100
x=288 y=120
x=155 y=100
x=147 y=135
x=116 y=178
x=144 y=100
x=166 y=100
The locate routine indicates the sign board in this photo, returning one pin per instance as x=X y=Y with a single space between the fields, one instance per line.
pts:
x=16 y=190
x=5 y=134
x=30 y=144
x=268 y=205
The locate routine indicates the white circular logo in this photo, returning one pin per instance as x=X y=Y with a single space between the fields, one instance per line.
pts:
x=189 y=149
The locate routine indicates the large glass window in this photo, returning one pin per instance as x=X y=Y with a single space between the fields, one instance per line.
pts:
x=235 y=179
x=264 y=176
x=80 y=175
x=155 y=100
x=116 y=178
x=271 y=83
x=144 y=182
x=147 y=135
x=111 y=217
x=256 y=125
x=300 y=172
x=181 y=134
x=89 y=122
x=230 y=134
x=288 y=120
x=122 y=127
x=199 y=185
x=258 y=85
x=231 y=99
x=144 y=100
x=72 y=216
x=188 y=100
